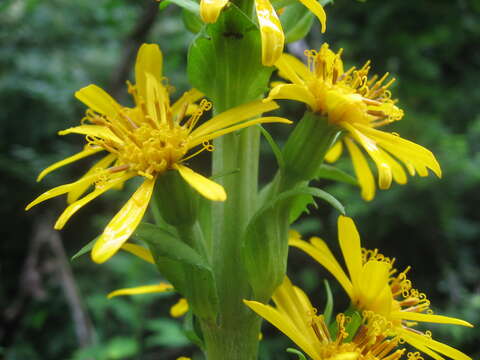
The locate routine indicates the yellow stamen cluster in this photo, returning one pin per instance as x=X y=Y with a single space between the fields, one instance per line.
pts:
x=343 y=96
x=364 y=346
x=149 y=145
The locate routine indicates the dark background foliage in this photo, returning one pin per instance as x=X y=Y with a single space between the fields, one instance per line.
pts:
x=52 y=308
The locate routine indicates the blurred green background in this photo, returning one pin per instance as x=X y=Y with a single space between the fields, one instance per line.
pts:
x=52 y=308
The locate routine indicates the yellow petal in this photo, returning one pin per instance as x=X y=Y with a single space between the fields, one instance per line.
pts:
x=407 y=151
x=210 y=10
x=317 y=10
x=77 y=205
x=98 y=100
x=263 y=120
x=383 y=163
x=157 y=99
x=123 y=223
x=290 y=68
x=292 y=307
x=92 y=130
x=283 y=323
x=349 y=240
x=323 y=256
x=373 y=290
x=233 y=116
x=188 y=97
x=334 y=152
x=362 y=170
x=293 y=92
x=422 y=341
x=98 y=166
x=206 y=187
x=139 y=251
x=271 y=31
x=84 y=153
x=149 y=60
x=179 y=309
x=146 y=289
x=440 y=319
x=63 y=189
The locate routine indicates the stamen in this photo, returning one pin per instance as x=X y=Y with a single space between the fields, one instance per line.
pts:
x=118 y=168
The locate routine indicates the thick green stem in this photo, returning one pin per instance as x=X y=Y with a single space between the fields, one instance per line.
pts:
x=235 y=335
x=233 y=343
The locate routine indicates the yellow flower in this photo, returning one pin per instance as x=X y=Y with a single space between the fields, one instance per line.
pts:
x=295 y=316
x=358 y=105
x=387 y=299
x=145 y=141
x=271 y=31
x=177 y=310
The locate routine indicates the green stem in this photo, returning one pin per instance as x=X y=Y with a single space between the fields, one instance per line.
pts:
x=236 y=334
x=232 y=343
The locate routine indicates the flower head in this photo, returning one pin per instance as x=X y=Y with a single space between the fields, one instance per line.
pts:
x=295 y=316
x=389 y=304
x=147 y=140
x=358 y=105
x=271 y=31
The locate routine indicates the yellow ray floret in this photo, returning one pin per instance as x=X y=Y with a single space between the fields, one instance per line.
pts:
x=273 y=38
x=147 y=140
x=177 y=310
x=359 y=105
x=295 y=316
x=376 y=288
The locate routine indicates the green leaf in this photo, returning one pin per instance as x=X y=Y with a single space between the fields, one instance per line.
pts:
x=276 y=150
x=189 y=5
x=327 y=312
x=163 y=4
x=332 y=173
x=265 y=242
x=84 y=249
x=189 y=272
x=224 y=60
x=296 y=20
x=192 y=330
x=328 y=198
x=192 y=21
x=296 y=352
x=299 y=206
x=353 y=325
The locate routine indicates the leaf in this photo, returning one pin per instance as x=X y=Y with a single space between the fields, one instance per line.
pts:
x=84 y=249
x=192 y=21
x=296 y=20
x=296 y=352
x=188 y=272
x=276 y=150
x=189 y=5
x=332 y=173
x=299 y=206
x=225 y=58
x=265 y=242
x=163 y=4
x=192 y=330
x=327 y=312
x=353 y=325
